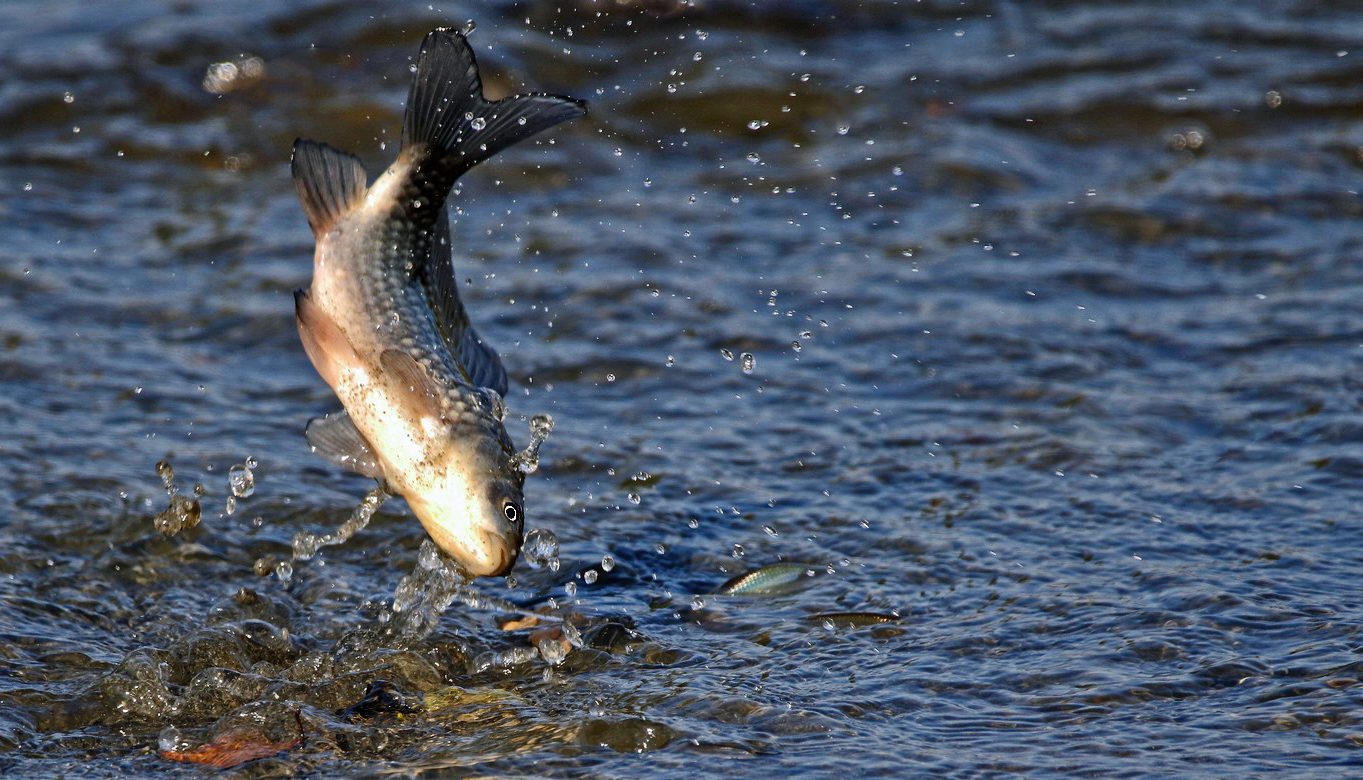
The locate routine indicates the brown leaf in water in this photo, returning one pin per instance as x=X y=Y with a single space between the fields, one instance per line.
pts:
x=231 y=748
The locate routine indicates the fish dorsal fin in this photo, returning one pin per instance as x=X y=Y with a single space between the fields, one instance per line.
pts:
x=336 y=438
x=328 y=348
x=412 y=381
x=478 y=360
x=329 y=182
x=450 y=127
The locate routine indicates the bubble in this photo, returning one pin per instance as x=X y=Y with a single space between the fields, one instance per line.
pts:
x=540 y=548
x=607 y=563
x=171 y=741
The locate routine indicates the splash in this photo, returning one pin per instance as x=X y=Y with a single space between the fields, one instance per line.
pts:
x=528 y=460
x=183 y=512
x=306 y=544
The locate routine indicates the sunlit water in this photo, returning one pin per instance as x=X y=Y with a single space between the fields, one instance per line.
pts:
x=1031 y=332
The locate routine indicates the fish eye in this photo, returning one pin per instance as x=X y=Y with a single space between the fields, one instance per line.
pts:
x=511 y=511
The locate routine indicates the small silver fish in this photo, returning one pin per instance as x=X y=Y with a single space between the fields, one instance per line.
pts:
x=774 y=579
x=383 y=324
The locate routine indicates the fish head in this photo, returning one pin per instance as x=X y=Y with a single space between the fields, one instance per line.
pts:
x=473 y=507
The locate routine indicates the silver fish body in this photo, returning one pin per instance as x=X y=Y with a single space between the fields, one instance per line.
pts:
x=383 y=324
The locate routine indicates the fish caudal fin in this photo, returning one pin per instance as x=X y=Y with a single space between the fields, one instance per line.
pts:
x=450 y=127
x=329 y=182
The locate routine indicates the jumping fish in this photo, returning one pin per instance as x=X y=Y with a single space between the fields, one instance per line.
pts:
x=383 y=324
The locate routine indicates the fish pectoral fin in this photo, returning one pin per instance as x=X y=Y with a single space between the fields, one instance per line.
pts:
x=336 y=438
x=329 y=182
x=417 y=386
x=327 y=347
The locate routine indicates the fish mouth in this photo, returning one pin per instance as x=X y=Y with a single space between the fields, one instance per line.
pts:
x=501 y=549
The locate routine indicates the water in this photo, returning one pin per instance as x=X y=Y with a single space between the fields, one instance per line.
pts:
x=1071 y=429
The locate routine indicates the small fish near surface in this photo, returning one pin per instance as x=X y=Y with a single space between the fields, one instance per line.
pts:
x=383 y=324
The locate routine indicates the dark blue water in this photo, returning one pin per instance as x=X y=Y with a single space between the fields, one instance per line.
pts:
x=1034 y=329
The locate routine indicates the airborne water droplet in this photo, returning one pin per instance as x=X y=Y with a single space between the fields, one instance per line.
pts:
x=589 y=576
x=748 y=361
x=241 y=480
x=478 y=123
x=607 y=563
x=540 y=548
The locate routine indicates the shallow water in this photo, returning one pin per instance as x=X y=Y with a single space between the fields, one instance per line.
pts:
x=1033 y=329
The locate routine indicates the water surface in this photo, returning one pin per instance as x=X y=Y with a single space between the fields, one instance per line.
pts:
x=1033 y=329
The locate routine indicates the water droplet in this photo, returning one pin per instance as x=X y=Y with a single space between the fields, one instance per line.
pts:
x=540 y=548
x=478 y=123
x=670 y=361
x=768 y=530
x=589 y=576
x=619 y=152
x=68 y=98
x=470 y=26
x=748 y=361
x=795 y=346
x=697 y=602
x=844 y=129
x=661 y=548
x=726 y=354
x=693 y=523
x=521 y=121
x=242 y=480
x=672 y=88
x=284 y=571
x=635 y=498
x=570 y=588
x=754 y=157
x=607 y=563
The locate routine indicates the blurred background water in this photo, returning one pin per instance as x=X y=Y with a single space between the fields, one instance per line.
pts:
x=1033 y=329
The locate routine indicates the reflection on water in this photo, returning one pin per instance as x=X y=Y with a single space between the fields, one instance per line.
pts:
x=1032 y=331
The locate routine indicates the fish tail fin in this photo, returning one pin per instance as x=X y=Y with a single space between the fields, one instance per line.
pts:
x=329 y=182
x=450 y=127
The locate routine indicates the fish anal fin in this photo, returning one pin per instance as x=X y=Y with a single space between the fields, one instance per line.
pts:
x=329 y=350
x=329 y=182
x=336 y=438
x=412 y=381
